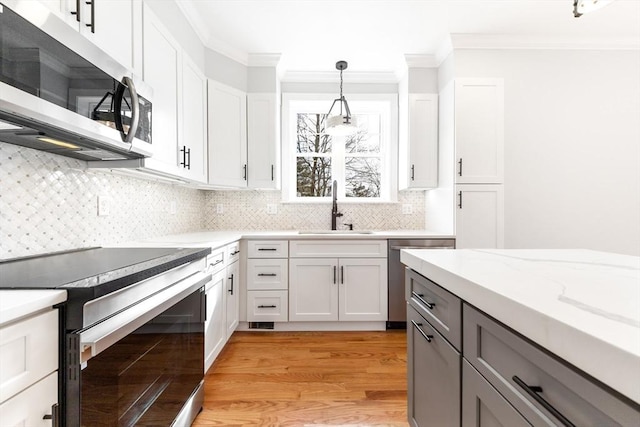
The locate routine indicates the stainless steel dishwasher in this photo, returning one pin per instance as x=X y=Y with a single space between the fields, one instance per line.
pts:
x=396 y=299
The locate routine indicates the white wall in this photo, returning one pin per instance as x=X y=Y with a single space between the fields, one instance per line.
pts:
x=572 y=145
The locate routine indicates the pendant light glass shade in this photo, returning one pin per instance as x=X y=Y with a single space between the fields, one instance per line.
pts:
x=580 y=7
x=341 y=123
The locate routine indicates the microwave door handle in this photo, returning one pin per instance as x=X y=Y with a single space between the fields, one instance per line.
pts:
x=135 y=110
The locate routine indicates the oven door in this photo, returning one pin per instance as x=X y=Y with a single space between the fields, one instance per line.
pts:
x=143 y=365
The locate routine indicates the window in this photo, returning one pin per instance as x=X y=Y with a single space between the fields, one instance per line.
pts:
x=363 y=164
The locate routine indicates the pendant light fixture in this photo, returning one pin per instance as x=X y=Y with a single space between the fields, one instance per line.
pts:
x=580 y=7
x=342 y=123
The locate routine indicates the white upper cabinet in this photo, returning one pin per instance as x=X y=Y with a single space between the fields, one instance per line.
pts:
x=479 y=130
x=262 y=141
x=109 y=24
x=419 y=149
x=192 y=152
x=227 y=136
x=162 y=71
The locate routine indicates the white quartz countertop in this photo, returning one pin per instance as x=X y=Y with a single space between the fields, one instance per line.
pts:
x=16 y=304
x=582 y=305
x=215 y=239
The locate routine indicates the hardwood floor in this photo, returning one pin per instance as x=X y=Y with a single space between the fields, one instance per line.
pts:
x=308 y=379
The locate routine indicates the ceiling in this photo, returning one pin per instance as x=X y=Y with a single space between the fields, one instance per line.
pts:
x=375 y=35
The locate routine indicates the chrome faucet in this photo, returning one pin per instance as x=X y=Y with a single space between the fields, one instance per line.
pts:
x=334 y=211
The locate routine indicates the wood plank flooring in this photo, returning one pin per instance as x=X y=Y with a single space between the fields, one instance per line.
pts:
x=308 y=379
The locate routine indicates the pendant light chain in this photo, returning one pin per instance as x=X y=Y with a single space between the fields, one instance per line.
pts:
x=341 y=96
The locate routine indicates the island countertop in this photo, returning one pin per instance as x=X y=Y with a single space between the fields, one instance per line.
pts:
x=581 y=305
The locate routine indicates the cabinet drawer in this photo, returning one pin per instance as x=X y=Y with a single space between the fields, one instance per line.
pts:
x=28 y=352
x=29 y=407
x=338 y=248
x=267 y=274
x=434 y=375
x=482 y=405
x=536 y=383
x=267 y=306
x=439 y=306
x=268 y=248
x=215 y=260
x=233 y=252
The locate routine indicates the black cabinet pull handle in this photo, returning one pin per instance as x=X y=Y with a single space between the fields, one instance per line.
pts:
x=235 y=252
x=77 y=12
x=417 y=326
x=267 y=306
x=413 y=176
x=460 y=199
x=244 y=172
x=93 y=16
x=334 y=274
x=215 y=263
x=267 y=249
x=342 y=274
x=188 y=158
x=183 y=150
x=272 y=173
x=460 y=167
x=267 y=274
x=533 y=391
x=54 y=416
x=231 y=288
x=420 y=297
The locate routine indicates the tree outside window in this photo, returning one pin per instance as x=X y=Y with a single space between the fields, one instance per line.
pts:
x=360 y=162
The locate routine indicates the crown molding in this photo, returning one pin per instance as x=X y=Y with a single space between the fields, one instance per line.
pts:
x=510 y=41
x=420 y=61
x=264 y=59
x=332 y=77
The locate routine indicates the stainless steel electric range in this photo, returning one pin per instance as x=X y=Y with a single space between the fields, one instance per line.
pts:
x=132 y=347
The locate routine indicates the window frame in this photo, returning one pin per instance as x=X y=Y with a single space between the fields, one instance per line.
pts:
x=294 y=103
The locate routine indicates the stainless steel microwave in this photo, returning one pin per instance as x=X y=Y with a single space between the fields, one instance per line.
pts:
x=60 y=93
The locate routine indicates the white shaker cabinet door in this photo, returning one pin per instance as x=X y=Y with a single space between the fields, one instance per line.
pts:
x=363 y=289
x=192 y=152
x=263 y=140
x=227 y=116
x=162 y=71
x=479 y=216
x=29 y=407
x=479 y=130
x=215 y=325
x=313 y=289
x=232 y=300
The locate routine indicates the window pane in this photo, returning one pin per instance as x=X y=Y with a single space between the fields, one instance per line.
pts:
x=362 y=143
x=313 y=177
x=363 y=176
x=310 y=138
x=369 y=123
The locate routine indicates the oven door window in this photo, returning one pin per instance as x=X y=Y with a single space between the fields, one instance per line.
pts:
x=145 y=378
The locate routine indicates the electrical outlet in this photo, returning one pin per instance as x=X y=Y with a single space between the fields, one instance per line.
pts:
x=172 y=207
x=272 y=208
x=219 y=208
x=104 y=206
x=407 y=209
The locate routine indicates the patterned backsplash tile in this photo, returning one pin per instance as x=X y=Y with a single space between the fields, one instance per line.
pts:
x=50 y=203
x=247 y=210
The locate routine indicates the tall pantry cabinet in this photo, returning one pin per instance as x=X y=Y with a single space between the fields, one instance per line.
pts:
x=470 y=197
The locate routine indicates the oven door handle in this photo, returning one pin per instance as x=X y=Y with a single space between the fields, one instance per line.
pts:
x=96 y=339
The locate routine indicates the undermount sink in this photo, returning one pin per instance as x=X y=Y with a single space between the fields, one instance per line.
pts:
x=336 y=232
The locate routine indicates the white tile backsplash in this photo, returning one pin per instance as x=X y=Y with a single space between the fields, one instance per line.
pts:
x=50 y=203
x=247 y=210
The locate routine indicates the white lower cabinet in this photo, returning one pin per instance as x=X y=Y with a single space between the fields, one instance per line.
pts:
x=332 y=289
x=32 y=407
x=232 y=304
x=29 y=370
x=215 y=325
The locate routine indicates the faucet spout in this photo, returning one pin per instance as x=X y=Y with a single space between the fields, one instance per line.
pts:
x=334 y=210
